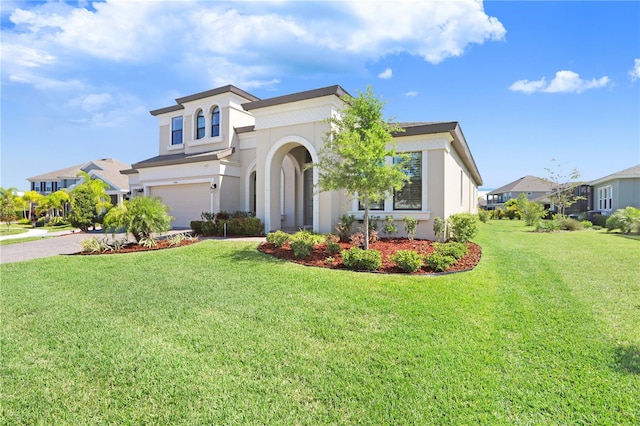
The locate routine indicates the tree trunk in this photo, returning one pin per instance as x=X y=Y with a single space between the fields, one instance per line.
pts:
x=366 y=221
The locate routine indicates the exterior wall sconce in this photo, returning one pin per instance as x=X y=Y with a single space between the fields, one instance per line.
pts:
x=213 y=187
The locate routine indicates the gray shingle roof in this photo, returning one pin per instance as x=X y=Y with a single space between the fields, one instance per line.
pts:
x=631 y=172
x=524 y=184
x=107 y=169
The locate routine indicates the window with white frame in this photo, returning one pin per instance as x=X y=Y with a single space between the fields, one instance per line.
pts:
x=200 y=125
x=176 y=130
x=215 y=122
x=410 y=196
x=605 y=196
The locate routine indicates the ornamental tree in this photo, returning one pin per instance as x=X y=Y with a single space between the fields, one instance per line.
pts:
x=355 y=151
x=562 y=185
x=7 y=205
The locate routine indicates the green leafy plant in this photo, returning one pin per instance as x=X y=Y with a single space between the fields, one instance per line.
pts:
x=626 y=220
x=410 y=226
x=454 y=249
x=95 y=245
x=408 y=260
x=301 y=247
x=148 y=242
x=440 y=228
x=278 y=238
x=463 y=226
x=140 y=216
x=484 y=216
x=389 y=228
x=362 y=260
x=333 y=248
x=344 y=226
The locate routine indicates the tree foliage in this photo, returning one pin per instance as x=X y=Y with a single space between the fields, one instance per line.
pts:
x=89 y=200
x=141 y=217
x=355 y=152
x=528 y=210
x=562 y=185
x=8 y=205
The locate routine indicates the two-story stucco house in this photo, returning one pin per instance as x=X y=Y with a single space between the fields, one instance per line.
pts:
x=226 y=150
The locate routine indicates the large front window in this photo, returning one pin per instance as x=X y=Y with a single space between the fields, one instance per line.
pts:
x=176 y=130
x=410 y=196
x=200 y=125
x=215 y=122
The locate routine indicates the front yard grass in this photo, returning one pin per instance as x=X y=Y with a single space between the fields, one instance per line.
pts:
x=543 y=331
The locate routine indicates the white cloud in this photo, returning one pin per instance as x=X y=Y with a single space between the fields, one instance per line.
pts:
x=386 y=74
x=563 y=82
x=635 y=72
x=411 y=94
x=434 y=30
x=104 y=109
x=91 y=102
x=256 y=43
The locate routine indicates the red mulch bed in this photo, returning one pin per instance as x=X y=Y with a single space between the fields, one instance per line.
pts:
x=387 y=246
x=134 y=247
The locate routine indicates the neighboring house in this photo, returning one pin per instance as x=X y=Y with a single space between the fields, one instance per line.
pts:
x=617 y=190
x=226 y=150
x=535 y=188
x=105 y=169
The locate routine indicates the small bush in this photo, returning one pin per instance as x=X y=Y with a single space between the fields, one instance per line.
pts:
x=301 y=247
x=58 y=221
x=95 y=245
x=24 y=222
x=196 y=226
x=547 y=226
x=373 y=236
x=410 y=226
x=358 y=259
x=439 y=262
x=586 y=224
x=148 y=242
x=344 y=226
x=599 y=220
x=332 y=238
x=463 y=226
x=626 y=220
x=357 y=239
x=570 y=224
x=278 y=238
x=484 y=216
x=389 y=227
x=453 y=249
x=408 y=260
x=439 y=228
x=333 y=247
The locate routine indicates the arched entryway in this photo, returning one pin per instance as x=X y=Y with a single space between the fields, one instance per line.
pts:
x=290 y=201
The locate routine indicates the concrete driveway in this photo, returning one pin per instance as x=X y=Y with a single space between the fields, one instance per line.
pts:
x=51 y=244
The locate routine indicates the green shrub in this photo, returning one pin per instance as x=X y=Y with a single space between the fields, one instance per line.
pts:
x=452 y=248
x=140 y=216
x=196 y=226
x=209 y=228
x=344 y=226
x=389 y=227
x=148 y=242
x=358 y=259
x=278 y=238
x=547 y=226
x=410 y=226
x=484 y=216
x=95 y=245
x=599 y=220
x=570 y=224
x=408 y=260
x=333 y=247
x=626 y=220
x=57 y=221
x=301 y=248
x=440 y=228
x=463 y=226
x=439 y=262
x=332 y=238
x=305 y=234
x=24 y=222
x=586 y=224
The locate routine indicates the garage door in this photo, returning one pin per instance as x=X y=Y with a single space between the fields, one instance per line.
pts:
x=187 y=202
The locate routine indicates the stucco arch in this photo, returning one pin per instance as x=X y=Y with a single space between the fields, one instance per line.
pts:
x=273 y=165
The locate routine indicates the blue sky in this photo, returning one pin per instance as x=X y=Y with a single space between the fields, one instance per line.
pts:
x=528 y=81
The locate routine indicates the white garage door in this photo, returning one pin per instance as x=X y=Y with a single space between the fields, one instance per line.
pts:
x=187 y=202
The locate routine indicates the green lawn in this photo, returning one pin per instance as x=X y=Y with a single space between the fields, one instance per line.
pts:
x=544 y=331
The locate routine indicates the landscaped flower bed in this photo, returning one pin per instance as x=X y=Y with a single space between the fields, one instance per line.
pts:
x=321 y=257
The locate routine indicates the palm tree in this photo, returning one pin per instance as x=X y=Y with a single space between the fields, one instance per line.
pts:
x=32 y=197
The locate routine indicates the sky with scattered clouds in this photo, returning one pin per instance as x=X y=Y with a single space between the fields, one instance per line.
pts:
x=528 y=81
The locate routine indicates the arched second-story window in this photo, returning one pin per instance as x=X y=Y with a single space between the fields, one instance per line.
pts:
x=200 y=125
x=215 y=122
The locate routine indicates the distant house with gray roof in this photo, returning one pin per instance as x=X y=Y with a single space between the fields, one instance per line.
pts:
x=105 y=169
x=533 y=187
